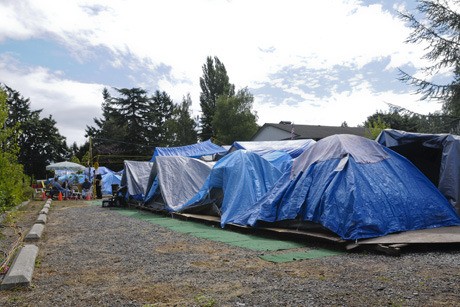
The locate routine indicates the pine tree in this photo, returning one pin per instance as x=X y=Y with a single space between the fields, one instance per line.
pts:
x=440 y=29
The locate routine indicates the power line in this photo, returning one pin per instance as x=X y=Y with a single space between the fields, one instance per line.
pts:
x=123 y=142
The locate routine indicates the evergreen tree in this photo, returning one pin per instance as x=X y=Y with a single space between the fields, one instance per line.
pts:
x=214 y=83
x=233 y=119
x=161 y=110
x=181 y=128
x=39 y=140
x=440 y=29
x=122 y=129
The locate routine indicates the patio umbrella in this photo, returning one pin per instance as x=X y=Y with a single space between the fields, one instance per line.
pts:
x=65 y=166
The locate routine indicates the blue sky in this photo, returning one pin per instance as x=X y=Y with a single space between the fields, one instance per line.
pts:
x=309 y=62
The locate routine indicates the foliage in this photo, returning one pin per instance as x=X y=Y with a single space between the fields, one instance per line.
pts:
x=214 y=83
x=132 y=124
x=181 y=127
x=39 y=141
x=402 y=119
x=394 y=120
x=161 y=111
x=440 y=29
x=375 y=126
x=11 y=172
x=233 y=119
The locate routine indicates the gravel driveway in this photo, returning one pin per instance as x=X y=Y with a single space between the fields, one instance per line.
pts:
x=94 y=256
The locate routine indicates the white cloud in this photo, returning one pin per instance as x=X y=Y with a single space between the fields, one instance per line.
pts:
x=72 y=104
x=254 y=39
x=181 y=34
x=353 y=107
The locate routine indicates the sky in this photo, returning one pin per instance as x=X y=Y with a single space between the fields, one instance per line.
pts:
x=308 y=62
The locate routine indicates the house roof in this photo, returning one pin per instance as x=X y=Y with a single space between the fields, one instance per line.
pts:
x=312 y=131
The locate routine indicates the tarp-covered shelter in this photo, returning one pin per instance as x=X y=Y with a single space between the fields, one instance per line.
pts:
x=136 y=178
x=108 y=180
x=293 y=147
x=197 y=150
x=243 y=177
x=436 y=155
x=175 y=180
x=356 y=188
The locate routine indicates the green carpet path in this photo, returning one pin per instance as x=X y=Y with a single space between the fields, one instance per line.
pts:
x=213 y=233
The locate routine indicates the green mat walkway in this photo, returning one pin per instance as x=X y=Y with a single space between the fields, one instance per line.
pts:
x=252 y=242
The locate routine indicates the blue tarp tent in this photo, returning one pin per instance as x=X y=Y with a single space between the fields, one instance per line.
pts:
x=436 y=155
x=356 y=188
x=206 y=148
x=278 y=153
x=293 y=147
x=244 y=178
x=108 y=179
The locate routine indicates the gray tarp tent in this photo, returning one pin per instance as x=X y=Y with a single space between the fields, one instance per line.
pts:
x=178 y=179
x=136 y=177
x=436 y=155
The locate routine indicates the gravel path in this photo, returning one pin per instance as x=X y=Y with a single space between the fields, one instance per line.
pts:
x=94 y=256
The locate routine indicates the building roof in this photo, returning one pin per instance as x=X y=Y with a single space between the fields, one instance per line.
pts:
x=312 y=131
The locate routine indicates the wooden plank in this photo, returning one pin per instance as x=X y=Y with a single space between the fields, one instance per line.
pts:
x=435 y=235
x=302 y=233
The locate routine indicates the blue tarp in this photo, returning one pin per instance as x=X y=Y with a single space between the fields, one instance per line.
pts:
x=414 y=144
x=279 y=159
x=356 y=188
x=206 y=148
x=244 y=178
x=108 y=179
x=293 y=147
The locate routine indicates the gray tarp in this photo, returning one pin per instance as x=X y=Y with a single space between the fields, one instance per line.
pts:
x=136 y=177
x=180 y=178
x=449 y=168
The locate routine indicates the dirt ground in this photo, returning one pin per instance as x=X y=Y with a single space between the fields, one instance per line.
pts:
x=93 y=256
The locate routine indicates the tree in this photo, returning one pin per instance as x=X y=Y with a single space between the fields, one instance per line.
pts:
x=11 y=172
x=233 y=119
x=440 y=29
x=39 y=140
x=181 y=128
x=132 y=124
x=214 y=83
x=375 y=127
x=394 y=120
x=161 y=110
x=122 y=129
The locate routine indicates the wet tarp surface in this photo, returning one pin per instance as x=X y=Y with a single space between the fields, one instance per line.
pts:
x=356 y=188
x=446 y=172
x=136 y=177
x=206 y=148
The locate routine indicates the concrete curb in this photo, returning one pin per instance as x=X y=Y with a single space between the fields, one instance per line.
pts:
x=21 y=271
x=41 y=219
x=35 y=233
x=45 y=210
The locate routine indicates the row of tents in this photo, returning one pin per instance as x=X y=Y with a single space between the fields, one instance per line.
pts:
x=352 y=186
